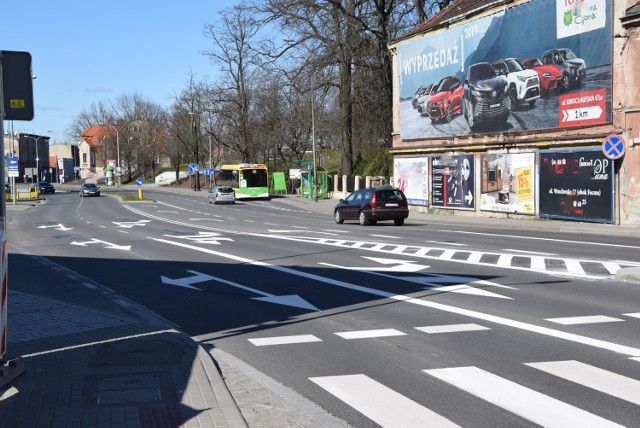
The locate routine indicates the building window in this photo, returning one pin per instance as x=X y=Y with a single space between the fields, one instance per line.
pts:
x=84 y=158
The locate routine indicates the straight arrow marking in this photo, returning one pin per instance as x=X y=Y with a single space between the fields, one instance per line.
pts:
x=107 y=244
x=57 y=226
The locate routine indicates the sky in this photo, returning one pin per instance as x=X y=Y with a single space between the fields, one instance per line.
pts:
x=88 y=51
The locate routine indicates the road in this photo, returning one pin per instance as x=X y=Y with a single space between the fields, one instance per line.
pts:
x=429 y=324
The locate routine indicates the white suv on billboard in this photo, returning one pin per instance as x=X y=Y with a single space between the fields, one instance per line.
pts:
x=524 y=85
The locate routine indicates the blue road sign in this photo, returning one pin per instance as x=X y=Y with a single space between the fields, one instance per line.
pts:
x=193 y=168
x=613 y=147
x=139 y=181
x=209 y=171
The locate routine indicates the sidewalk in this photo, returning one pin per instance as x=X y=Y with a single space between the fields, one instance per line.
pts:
x=94 y=359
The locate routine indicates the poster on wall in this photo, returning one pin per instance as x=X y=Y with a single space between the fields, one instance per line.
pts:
x=411 y=175
x=540 y=65
x=576 y=185
x=508 y=183
x=452 y=183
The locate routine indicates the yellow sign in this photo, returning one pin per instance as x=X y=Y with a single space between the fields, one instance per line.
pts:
x=16 y=103
x=524 y=180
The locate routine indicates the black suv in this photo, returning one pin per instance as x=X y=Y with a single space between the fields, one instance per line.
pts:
x=486 y=95
x=369 y=206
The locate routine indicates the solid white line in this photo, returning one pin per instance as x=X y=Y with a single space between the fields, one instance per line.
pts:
x=451 y=328
x=595 y=319
x=520 y=237
x=455 y=244
x=528 y=252
x=284 y=340
x=593 y=377
x=602 y=344
x=386 y=236
x=368 y=334
x=525 y=402
x=379 y=403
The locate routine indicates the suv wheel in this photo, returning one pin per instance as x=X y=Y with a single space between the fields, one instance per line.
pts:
x=363 y=219
x=513 y=94
x=337 y=217
x=449 y=113
x=468 y=112
x=564 y=82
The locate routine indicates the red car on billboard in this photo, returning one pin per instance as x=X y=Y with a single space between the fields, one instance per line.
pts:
x=447 y=101
x=550 y=75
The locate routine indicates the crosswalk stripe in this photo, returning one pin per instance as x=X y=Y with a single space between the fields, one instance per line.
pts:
x=537 y=263
x=611 y=267
x=284 y=340
x=525 y=402
x=583 y=320
x=574 y=267
x=505 y=260
x=593 y=377
x=451 y=328
x=379 y=403
x=474 y=257
x=368 y=334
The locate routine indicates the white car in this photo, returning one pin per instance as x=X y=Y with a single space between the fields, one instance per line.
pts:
x=222 y=194
x=423 y=99
x=524 y=85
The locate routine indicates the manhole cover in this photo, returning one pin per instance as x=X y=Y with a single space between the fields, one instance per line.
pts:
x=134 y=388
x=138 y=352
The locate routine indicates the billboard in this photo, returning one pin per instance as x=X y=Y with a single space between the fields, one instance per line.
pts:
x=576 y=185
x=411 y=175
x=452 y=185
x=507 y=183
x=541 y=65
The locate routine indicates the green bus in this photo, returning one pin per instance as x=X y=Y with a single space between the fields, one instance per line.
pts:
x=249 y=180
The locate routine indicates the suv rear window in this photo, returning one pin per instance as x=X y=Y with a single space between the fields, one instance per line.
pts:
x=389 y=195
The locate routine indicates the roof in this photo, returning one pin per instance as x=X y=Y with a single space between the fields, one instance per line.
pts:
x=631 y=14
x=93 y=135
x=456 y=11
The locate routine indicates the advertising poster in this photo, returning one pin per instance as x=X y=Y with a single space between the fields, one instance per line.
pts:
x=576 y=185
x=540 y=65
x=452 y=183
x=508 y=183
x=411 y=175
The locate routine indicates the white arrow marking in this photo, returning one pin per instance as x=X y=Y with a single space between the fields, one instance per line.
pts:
x=107 y=244
x=130 y=224
x=289 y=300
x=585 y=113
x=432 y=281
x=187 y=281
x=58 y=226
x=203 y=238
x=400 y=265
x=570 y=337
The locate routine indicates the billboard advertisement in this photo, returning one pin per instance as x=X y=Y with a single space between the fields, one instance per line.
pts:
x=541 y=65
x=508 y=183
x=576 y=185
x=452 y=184
x=411 y=175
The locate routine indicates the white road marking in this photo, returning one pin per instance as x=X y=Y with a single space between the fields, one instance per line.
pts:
x=379 y=403
x=455 y=244
x=593 y=377
x=595 y=319
x=537 y=263
x=474 y=257
x=447 y=254
x=386 y=236
x=596 y=343
x=574 y=267
x=611 y=267
x=529 y=252
x=451 y=328
x=564 y=241
x=369 y=334
x=522 y=401
x=635 y=315
x=505 y=260
x=285 y=340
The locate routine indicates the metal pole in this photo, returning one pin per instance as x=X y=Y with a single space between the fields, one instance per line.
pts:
x=314 y=188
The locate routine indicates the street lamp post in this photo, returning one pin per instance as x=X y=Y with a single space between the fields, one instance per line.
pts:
x=38 y=156
x=314 y=186
x=117 y=151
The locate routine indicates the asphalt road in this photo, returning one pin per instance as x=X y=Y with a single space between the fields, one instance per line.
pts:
x=333 y=325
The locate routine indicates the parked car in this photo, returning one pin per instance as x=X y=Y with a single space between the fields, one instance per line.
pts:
x=423 y=99
x=574 y=69
x=447 y=101
x=524 y=85
x=224 y=194
x=369 y=206
x=486 y=95
x=44 y=187
x=550 y=75
x=89 y=189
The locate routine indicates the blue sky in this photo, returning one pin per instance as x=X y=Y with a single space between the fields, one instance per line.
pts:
x=84 y=52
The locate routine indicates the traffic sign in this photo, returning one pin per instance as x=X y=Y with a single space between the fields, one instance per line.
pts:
x=12 y=167
x=193 y=168
x=209 y=171
x=139 y=181
x=613 y=147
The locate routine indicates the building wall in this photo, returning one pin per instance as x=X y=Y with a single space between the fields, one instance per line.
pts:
x=625 y=124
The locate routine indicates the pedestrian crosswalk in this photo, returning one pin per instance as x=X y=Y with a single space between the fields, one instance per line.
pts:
x=390 y=408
